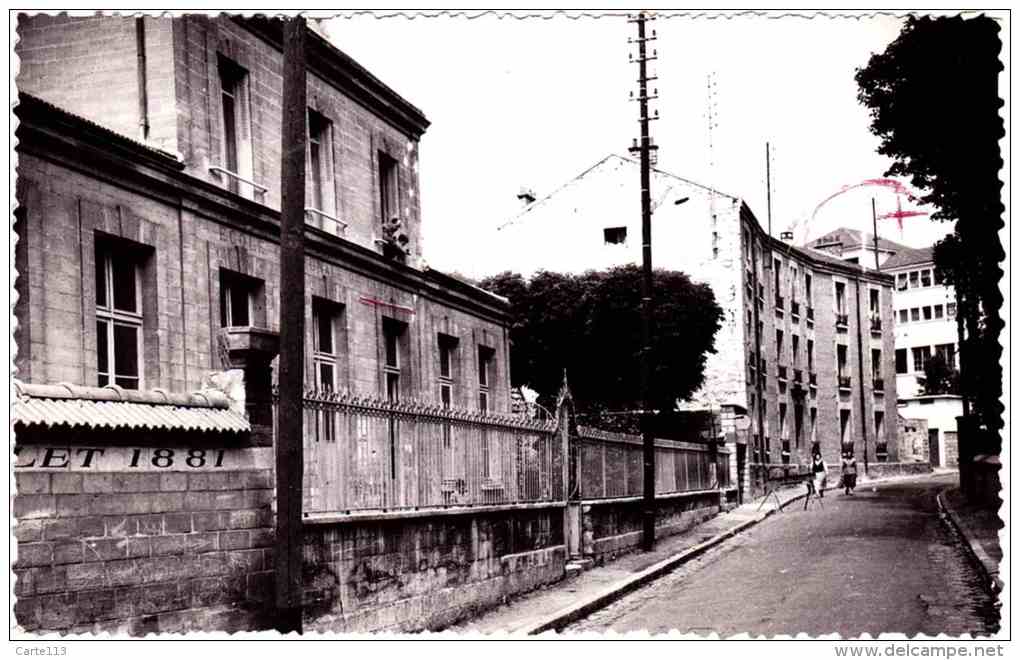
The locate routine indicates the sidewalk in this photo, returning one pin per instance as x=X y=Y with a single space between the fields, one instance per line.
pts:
x=979 y=526
x=560 y=604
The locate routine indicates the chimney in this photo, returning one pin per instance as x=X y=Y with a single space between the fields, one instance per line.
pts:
x=786 y=237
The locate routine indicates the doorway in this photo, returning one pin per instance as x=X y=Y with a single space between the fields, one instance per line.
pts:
x=933 y=448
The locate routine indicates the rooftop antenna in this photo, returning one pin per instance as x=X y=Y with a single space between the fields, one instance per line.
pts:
x=712 y=125
x=768 y=185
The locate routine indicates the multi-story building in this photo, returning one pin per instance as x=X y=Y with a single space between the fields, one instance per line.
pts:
x=149 y=164
x=805 y=354
x=925 y=320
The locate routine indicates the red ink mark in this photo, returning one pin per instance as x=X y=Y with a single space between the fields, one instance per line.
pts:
x=372 y=301
x=891 y=184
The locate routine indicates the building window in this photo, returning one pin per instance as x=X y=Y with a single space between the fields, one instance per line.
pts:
x=921 y=356
x=913 y=279
x=388 y=205
x=486 y=357
x=326 y=324
x=938 y=311
x=118 y=316
x=394 y=336
x=901 y=361
x=782 y=421
x=901 y=281
x=841 y=360
x=807 y=288
x=811 y=354
x=813 y=414
x=615 y=235
x=844 y=431
x=795 y=347
x=915 y=314
x=779 y=346
x=840 y=298
x=948 y=354
x=447 y=368
x=798 y=424
x=320 y=150
x=879 y=427
x=926 y=277
x=876 y=363
x=793 y=283
x=236 y=146
x=237 y=299
x=873 y=305
x=903 y=316
x=926 y=311
x=950 y=310
x=777 y=268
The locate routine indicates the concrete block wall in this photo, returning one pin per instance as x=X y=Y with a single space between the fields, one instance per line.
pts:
x=614 y=527
x=425 y=573
x=154 y=550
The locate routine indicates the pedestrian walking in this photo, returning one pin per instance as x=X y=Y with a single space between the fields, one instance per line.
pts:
x=848 y=470
x=819 y=472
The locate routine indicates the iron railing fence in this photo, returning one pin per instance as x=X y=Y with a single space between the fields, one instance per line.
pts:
x=611 y=465
x=365 y=454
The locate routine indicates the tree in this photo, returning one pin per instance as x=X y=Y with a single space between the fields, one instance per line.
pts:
x=939 y=377
x=934 y=103
x=590 y=325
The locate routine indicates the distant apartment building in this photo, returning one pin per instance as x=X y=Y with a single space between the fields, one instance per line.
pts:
x=805 y=354
x=925 y=322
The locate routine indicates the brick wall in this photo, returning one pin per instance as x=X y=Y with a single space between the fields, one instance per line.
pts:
x=154 y=550
x=425 y=573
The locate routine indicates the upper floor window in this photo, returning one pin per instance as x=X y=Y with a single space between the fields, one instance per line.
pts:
x=950 y=310
x=394 y=337
x=779 y=346
x=119 y=316
x=921 y=356
x=948 y=353
x=926 y=277
x=873 y=304
x=876 y=363
x=236 y=149
x=320 y=150
x=938 y=311
x=793 y=283
x=926 y=310
x=915 y=314
x=841 y=365
x=901 y=361
x=447 y=368
x=901 y=281
x=777 y=267
x=914 y=279
x=795 y=348
x=238 y=299
x=614 y=235
x=903 y=315
x=486 y=357
x=807 y=288
x=840 y=298
x=388 y=205
x=811 y=354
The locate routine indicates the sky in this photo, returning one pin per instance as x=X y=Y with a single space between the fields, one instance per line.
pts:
x=533 y=103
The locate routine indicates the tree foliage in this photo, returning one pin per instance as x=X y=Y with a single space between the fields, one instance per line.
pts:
x=933 y=97
x=590 y=325
x=939 y=377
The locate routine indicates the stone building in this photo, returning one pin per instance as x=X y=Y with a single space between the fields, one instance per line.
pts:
x=149 y=163
x=805 y=352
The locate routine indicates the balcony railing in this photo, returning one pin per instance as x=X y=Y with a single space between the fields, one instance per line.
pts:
x=878 y=384
x=844 y=382
x=882 y=452
x=876 y=324
x=779 y=301
x=841 y=320
x=781 y=370
x=798 y=376
x=810 y=313
x=812 y=379
x=794 y=309
x=762 y=365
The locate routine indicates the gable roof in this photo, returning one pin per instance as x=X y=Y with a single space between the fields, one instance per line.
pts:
x=910 y=257
x=853 y=238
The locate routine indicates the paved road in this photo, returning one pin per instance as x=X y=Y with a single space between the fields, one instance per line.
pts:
x=879 y=561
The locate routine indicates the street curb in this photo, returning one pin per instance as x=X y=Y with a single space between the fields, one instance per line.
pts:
x=578 y=611
x=988 y=566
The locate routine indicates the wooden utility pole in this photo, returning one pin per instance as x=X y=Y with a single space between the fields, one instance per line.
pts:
x=648 y=439
x=289 y=460
x=768 y=186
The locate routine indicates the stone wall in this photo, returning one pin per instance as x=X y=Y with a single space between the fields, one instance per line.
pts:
x=426 y=572
x=104 y=546
x=613 y=527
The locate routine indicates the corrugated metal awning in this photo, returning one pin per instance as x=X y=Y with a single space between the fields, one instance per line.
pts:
x=112 y=407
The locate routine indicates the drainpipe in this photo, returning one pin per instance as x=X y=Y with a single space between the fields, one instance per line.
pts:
x=860 y=374
x=143 y=99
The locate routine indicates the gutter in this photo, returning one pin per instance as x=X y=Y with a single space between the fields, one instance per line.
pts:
x=143 y=97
